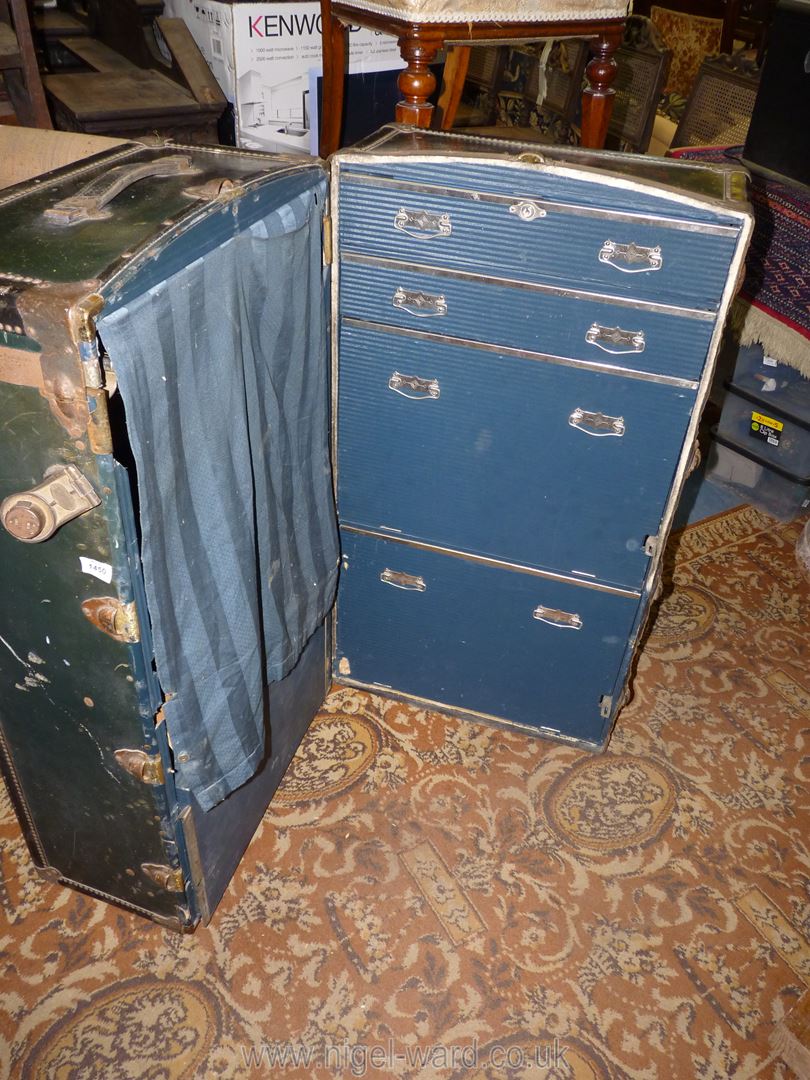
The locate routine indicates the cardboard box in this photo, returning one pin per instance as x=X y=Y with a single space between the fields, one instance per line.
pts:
x=264 y=56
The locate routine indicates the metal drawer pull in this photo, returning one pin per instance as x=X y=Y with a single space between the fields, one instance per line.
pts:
x=596 y=423
x=567 y=619
x=421 y=389
x=420 y=304
x=612 y=339
x=422 y=224
x=631 y=258
x=403 y=581
x=527 y=211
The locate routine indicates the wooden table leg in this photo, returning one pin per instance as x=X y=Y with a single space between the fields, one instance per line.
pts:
x=334 y=71
x=417 y=82
x=597 y=98
x=24 y=83
x=453 y=79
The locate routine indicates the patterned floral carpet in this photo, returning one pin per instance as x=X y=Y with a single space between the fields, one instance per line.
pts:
x=430 y=898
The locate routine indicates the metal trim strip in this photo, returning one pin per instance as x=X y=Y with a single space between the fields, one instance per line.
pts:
x=525 y=354
x=197 y=882
x=178 y=923
x=551 y=155
x=360 y=259
x=704 y=387
x=565 y=167
x=681 y=224
x=189 y=219
x=500 y=564
x=471 y=714
x=16 y=793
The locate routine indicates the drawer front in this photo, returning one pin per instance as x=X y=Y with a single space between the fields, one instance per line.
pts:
x=615 y=190
x=521 y=460
x=491 y=640
x=567 y=326
x=632 y=258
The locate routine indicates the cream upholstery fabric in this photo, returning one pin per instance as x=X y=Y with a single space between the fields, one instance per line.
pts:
x=532 y=11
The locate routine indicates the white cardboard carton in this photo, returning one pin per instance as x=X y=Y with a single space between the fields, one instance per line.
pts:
x=262 y=54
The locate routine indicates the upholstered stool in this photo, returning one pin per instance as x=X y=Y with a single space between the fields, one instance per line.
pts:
x=424 y=26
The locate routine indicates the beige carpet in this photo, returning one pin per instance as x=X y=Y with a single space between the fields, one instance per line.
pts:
x=431 y=898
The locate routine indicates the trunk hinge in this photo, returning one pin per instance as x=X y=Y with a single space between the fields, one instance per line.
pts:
x=651 y=545
x=165 y=877
x=113 y=617
x=83 y=316
x=327 y=241
x=605 y=706
x=149 y=770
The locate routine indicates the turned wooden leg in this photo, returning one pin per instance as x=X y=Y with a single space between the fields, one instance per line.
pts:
x=453 y=79
x=417 y=82
x=334 y=71
x=597 y=98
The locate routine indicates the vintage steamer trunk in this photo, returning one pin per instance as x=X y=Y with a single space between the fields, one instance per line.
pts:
x=521 y=349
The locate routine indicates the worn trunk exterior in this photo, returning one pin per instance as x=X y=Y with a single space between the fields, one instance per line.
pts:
x=521 y=350
x=85 y=747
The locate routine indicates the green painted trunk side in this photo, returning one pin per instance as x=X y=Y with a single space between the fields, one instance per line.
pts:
x=69 y=692
x=70 y=695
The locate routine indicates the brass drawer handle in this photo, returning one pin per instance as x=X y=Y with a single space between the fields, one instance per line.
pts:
x=421 y=304
x=420 y=389
x=612 y=339
x=527 y=210
x=403 y=581
x=596 y=423
x=631 y=258
x=422 y=224
x=554 y=617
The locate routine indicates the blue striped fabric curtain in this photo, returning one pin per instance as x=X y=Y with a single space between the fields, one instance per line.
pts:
x=223 y=372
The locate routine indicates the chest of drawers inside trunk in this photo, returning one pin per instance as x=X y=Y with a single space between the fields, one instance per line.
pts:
x=522 y=351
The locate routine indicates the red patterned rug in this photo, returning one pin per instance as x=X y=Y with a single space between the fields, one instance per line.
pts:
x=774 y=302
x=433 y=898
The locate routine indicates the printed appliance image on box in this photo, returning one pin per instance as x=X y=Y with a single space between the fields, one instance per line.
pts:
x=262 y=56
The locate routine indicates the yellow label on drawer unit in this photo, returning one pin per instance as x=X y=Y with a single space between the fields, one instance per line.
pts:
x=765 y=427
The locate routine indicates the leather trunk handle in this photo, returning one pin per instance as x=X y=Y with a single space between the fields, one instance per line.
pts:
x=89 y=202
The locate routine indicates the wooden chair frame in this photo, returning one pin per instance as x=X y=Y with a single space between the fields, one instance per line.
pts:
x=419 y=45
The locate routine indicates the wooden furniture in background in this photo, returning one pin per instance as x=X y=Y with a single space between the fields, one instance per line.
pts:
x=718 y=110
x=643 y=63
x=18 y=64
x=421 y=41
x=753 y=22
x=179 y=97
x=693 y=29
x=545 y=102
x=552 y=88
x=50 y=26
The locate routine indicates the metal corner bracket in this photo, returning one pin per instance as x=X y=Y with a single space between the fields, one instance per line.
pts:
x=113 y=617
x=169 y=878
x=149 y=770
